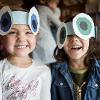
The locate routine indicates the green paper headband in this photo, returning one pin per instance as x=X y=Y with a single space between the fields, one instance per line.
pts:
x=82 y=25
x=23 y=17
x=8 y=18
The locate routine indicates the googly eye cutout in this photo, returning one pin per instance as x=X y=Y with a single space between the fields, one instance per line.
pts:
x=61 y=35
x=34 y=21
x=83 y=26
x=5 y=20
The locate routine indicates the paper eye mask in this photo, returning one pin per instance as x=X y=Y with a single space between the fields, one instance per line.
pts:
x=5 y=20
x=8 y=18
x=82 y=25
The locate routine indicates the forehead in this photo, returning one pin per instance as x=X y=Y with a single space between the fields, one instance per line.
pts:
x=20 y=26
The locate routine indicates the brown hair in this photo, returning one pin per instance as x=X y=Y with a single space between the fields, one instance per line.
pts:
x=47 y=1
x=13 y=5
x=3 y=52
x=92 y=52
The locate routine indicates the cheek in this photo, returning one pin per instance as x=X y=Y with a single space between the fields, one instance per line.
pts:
x=9 y=43
x=66 y=45
x=33 y=41
x=66 y=48
x=86 y=45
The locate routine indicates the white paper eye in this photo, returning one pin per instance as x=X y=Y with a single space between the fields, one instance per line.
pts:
x=5 y=20
x=61 y=35
x=33 y=21
x=83 y=26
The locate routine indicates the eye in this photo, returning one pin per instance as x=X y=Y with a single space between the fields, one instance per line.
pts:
x=69 y=35
x=29 y=32
x=12 y=32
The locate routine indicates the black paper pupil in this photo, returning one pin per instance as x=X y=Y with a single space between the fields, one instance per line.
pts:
x=34 y=24
x=83 y=26
x=62 y=35
x=5 y=22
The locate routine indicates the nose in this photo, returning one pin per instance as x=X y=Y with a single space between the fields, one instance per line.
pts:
x=73 y=38
x=21 y=37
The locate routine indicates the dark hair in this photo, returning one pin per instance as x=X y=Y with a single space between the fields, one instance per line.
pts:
x=3 y=50
x=28 y=4
x=92 y=52
x=47 y=1
x=3 y=53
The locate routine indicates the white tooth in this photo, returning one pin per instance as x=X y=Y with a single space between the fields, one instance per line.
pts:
x=21 y=46
x=75 y=46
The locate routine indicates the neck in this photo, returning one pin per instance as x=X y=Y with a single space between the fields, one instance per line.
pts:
x=78 y=64
x=20 y=61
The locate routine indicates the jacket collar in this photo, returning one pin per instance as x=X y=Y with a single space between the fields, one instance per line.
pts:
x=64 y=65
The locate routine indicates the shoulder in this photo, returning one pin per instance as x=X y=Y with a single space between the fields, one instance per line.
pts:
x=2 y=62
x=58 y=65
x=55 y=67
x=40 y=66
x=42 y=7
x=57 y=10
x=43 y=71
x=97 y=63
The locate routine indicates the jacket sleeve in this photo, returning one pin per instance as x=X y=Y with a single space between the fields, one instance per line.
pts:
x=98 y=68
x=54 y=95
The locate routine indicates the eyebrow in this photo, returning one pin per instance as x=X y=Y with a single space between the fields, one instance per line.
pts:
x=13 y=28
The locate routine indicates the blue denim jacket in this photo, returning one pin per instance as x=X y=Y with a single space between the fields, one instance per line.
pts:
x=62 y=87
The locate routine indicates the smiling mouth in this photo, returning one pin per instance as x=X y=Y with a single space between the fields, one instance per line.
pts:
x=21 y=46
x=75 y=47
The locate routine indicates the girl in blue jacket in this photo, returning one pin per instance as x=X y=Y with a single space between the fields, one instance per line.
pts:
x=76 y=75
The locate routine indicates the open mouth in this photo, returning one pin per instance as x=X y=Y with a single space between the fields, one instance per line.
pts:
x=21 y=46
x=76 y=47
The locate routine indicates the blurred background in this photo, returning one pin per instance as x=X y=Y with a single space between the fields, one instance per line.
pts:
x=71 y=7
x=68 y=7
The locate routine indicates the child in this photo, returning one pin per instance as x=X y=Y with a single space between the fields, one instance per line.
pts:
x=76 y=76
x=21 y=78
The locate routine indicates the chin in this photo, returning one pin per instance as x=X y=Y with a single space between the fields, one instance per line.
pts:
x=75 y=57
x=78 y=57
x=21 y=55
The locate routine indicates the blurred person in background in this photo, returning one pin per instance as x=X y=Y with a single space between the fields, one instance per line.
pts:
x=49 y=15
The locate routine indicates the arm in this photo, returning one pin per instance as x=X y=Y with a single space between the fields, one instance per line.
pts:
x=54 y=95
x=0 y=92
x=46 y=85
x=2 y=68
x=52 y=17
x=0 y=88
x=57 y=12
